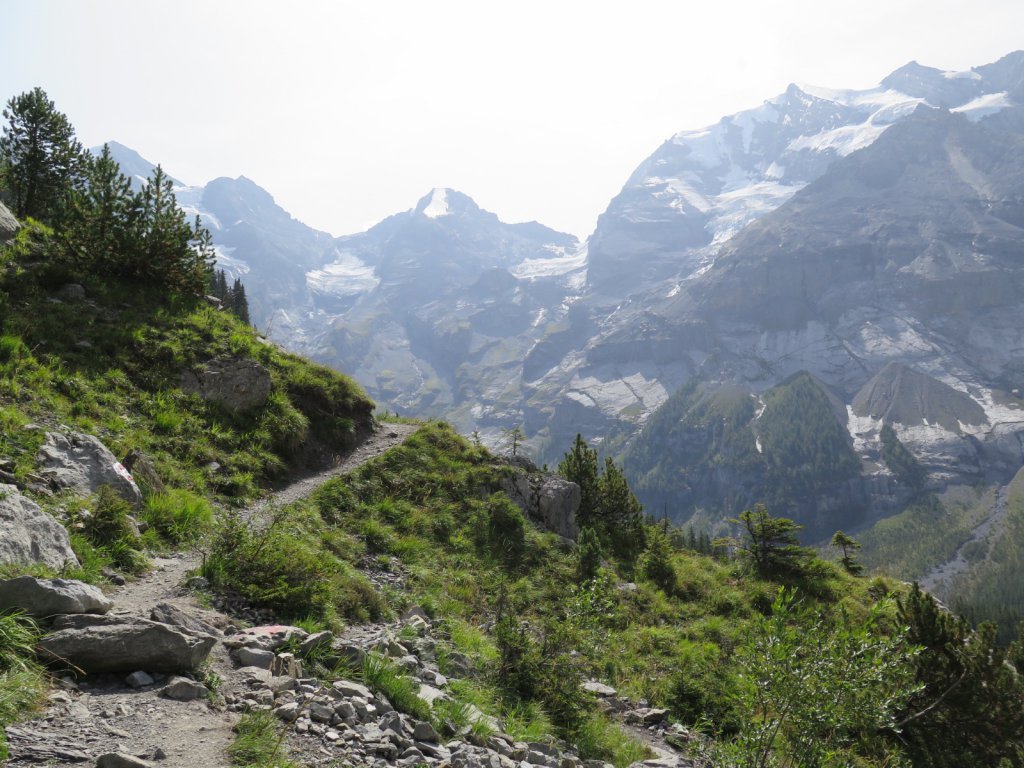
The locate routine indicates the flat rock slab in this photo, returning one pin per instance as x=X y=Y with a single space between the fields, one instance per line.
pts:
x=40 y=747
x=123 y=644
x=599 y=688
x=28 y=535
x=348 y=689
x=267 y=638
x=184 y=689
x=50 y=597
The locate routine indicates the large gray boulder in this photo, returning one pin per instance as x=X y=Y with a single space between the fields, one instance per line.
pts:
x=546 y=498
x=123 y=644
x=9 y=225
x=238 y=384
x=81 y=463
x=28 y=535
x=50 y=597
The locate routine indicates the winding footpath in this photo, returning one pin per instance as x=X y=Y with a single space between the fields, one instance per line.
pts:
x=103 y=715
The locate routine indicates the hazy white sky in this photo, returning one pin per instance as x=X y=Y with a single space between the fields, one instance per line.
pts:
x=348 y=112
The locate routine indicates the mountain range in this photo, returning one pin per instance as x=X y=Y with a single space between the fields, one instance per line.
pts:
x=836 y=258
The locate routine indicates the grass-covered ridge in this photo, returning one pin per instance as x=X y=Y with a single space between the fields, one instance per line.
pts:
x=111 y=366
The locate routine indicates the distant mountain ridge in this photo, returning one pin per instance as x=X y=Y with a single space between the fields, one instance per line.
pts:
x=827 y=231
x=702 y=187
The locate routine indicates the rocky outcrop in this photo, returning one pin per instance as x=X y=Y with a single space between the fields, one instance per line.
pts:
x=30 y=536
x=80 y=463
x=50 y=597
x=237 y=384
x=9 y=225
x=123 y=644
x=544 y=497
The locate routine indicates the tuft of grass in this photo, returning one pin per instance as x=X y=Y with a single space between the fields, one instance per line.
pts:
x=180 y=516
x=22 y=681
x=258 y=743
x=383 y=677
x=92 y=561
x=526 y=721
x=470 y=640
x=598 y=738
x=18 y=635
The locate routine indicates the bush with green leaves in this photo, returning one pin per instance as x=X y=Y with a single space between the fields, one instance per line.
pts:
x=502 y=530
x=286 y=567
x=816 y=690
x=590 y=554
x=110 y=528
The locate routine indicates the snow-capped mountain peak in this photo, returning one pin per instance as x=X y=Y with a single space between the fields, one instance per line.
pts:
x=437 y=205
x=703 y=186
x=443 y=202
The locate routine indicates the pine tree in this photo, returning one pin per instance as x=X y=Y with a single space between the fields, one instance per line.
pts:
x=513 y=437
x=656 y=561
x=219 y=286
x=968 y=710
x=620 y=513
x=579 y=465
x=691 y=539
x=41 y=161
x=239 y=303
x=104 y=217
x=768 y=543
x=170 y=251
x=848 y=545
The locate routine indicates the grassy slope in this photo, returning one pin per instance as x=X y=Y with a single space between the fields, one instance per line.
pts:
x=925 y=534
x=429 y=509
x=111 y=366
